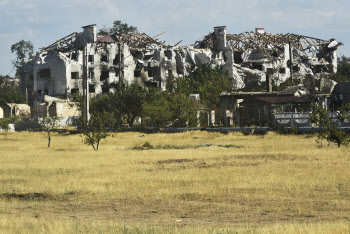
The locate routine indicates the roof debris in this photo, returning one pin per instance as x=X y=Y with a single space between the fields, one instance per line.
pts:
x=265 y=41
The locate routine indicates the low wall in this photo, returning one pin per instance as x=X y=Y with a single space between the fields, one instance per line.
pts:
x=281 y=120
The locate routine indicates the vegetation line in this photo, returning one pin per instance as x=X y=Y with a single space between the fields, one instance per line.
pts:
x=147 y=146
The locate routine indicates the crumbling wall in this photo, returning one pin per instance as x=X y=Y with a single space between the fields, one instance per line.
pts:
x=49 y=75
x=63 y=109
x=14 y=109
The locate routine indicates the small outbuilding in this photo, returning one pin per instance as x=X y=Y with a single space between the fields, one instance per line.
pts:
x=259 y=110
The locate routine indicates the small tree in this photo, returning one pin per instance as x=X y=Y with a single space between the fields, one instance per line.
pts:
x=97 y=129
x=330 y=131
x=48 y=124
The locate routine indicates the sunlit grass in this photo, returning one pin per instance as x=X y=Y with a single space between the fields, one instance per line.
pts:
x=215 y=183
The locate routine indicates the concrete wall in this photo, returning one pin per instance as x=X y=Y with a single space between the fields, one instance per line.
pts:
x=301 y=120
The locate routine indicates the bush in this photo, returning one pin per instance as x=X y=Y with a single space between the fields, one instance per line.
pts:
x=330 y=131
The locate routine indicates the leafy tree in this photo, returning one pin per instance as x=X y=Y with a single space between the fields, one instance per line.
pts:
x=208 y=82
x=4 y=122
x=164 y=108
x=24 y=51
x=118 y=27
x=125 y=103
x=343 y=71
x=99 y=104
x=9 y=91
x=97 y=129
x=330 y=131
x=184 y=110
x=128 y=100
x=157 y=108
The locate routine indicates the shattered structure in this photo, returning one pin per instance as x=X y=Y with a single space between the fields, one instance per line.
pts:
x=58 y=69
x=256 y=57
x=252 y=58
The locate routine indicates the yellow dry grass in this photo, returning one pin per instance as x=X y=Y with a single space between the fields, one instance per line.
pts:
x=256 y=184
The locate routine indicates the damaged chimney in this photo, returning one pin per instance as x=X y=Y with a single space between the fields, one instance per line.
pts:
x=220 y=38
x=259 y=30
x=89 y=33
x=269 y=82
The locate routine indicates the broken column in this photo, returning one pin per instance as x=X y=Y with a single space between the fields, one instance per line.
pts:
x=89 y=33
x=198 y=118
x=228 y=118
x=334 y=61
x=211 y=118
x=269 y=81
x=259 y=30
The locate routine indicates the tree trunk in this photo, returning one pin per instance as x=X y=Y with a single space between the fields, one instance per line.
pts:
x=49 y=137
x=98 y=142
x=130 y=121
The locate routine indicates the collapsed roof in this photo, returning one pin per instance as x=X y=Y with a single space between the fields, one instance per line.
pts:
x=255 y=60
x=263 y=41
x=133 y=40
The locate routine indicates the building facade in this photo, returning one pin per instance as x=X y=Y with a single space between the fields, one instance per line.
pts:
x=254 y=59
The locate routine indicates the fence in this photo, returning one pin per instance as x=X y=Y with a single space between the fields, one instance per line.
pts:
x=281 y=120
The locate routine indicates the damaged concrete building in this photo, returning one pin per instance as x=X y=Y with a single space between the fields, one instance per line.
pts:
x=58 y=69
x=251 y=58
x=256 y=59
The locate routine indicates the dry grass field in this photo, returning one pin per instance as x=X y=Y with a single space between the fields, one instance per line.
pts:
x=218 y=183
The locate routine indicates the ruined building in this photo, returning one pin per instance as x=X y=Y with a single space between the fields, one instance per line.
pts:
x=251 y=58
x=255 y=58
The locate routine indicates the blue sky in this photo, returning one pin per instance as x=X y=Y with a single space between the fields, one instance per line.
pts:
x=43 y=22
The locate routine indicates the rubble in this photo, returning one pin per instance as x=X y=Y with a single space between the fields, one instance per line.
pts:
x=258 y=55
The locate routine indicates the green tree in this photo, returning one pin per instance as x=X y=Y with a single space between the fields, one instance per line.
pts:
x=118 y=27
x=4 y=122
x=208 y=82
x=9 y=91
x=97 y=129
x=100 y=121
x=343 y=71
x=183 y=110
x=165 y=108
x=125 y=103
x=156 y=108
x=128 y=100
x=24 y=51
x=329 y=129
